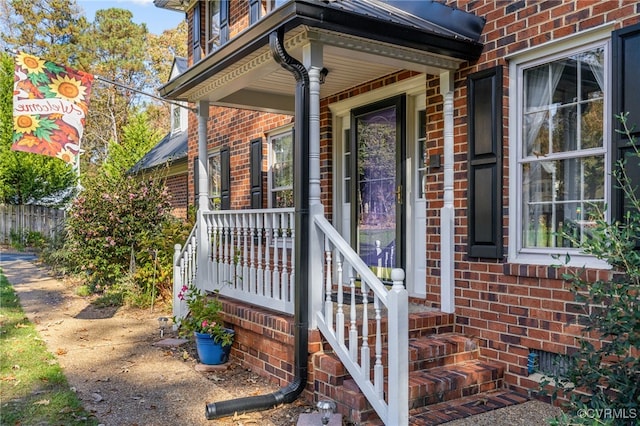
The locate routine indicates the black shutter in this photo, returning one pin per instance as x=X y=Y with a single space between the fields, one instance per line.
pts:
x=625 y=99
x=225 y=179
x=256 y=173
x=254 y=11
x=484 y=97
x=224 y=21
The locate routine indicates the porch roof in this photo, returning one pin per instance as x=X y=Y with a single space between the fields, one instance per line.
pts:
x=362 y=40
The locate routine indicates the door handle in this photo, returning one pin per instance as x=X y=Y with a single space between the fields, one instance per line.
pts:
x=399 y=194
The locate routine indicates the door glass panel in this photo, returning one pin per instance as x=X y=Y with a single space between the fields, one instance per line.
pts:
x=376 y=190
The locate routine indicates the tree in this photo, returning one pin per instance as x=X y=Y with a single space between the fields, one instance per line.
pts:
x=27 y=178
x=117 y=47
x=43 y=28
x=138 y=138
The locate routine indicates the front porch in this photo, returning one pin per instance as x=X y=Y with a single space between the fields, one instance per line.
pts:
x=380 y=358
x=297 y=267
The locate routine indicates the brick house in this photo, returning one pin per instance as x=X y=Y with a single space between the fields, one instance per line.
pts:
x=169 y=156
x=400 y=171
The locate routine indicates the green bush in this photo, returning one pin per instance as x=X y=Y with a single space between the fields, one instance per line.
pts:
x=604 y=373
x=108 y=224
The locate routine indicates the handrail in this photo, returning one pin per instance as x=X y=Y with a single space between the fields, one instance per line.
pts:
x=350 y=341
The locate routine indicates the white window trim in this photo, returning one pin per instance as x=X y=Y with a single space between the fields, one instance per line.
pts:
x=270 y=136
x=544 y=54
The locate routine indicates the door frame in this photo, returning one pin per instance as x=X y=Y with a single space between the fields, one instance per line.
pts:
x=399 y=103
x=415 y=230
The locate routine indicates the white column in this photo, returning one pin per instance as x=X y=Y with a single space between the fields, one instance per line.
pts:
x=447 y=212
x=312 y=60
x=202 y=277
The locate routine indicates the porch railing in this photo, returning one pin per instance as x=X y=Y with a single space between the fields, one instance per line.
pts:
x=354 y=300
x=251 y=256
x=185 y=261
x=248 y=255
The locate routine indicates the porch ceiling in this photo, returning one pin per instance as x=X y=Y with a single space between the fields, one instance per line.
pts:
x=243 y=73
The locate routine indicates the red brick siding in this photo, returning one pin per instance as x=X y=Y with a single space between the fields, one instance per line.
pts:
x=178 y=189
x=234 y=128
x=511 y=308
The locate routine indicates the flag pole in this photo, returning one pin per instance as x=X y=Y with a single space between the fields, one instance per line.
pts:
x=115 y=83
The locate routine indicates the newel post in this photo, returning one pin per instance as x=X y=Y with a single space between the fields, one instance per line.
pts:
x=398 y=333
x=177 y=284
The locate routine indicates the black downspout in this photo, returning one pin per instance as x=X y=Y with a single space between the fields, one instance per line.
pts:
x=291 y=392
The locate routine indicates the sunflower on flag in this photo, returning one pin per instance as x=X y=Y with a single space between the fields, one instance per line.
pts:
x=50 y=105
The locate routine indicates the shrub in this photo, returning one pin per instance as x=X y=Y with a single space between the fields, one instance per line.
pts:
x=108 y=222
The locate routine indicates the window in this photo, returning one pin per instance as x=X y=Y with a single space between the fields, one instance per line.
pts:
x=215 y=182
x=213 y=25
x=281 y=170
x=561 y=158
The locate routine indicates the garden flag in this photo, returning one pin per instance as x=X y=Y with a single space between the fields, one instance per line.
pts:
x=50 y=104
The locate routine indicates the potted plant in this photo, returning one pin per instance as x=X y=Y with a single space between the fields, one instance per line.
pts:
x=204 y=322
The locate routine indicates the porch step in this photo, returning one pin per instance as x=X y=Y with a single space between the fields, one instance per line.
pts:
x=464 y=407
x=440 y=349
x=445 y=370
x=453 y=381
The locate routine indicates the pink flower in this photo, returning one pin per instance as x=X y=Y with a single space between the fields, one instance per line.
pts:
x=205 y=323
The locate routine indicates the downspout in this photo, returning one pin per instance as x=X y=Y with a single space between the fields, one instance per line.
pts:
x=290 y=392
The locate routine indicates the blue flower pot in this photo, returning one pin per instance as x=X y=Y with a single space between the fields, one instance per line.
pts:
x=210 y=352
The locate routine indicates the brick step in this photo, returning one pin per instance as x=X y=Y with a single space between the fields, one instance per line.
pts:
x=449 y=382
x=440 y=349
x=464 y=407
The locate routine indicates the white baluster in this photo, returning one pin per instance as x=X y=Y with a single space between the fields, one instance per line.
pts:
x=284 y=229
x=328 y=304
x=353 y=330
x=276 y=270
x=340 y=314
x=378 y=369
x=252 y=253
x=364 y=351
x=260 y=255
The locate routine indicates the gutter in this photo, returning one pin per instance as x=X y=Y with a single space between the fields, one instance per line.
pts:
x=290 y=392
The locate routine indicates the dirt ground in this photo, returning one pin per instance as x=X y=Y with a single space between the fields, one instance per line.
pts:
x=113 y=360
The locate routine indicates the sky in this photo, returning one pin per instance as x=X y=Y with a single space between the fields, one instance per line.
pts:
x=156 y=19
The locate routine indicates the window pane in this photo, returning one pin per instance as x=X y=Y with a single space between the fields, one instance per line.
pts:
x=564 y=82
x=214 y=182
x=213 y=30
x=536 y=134
x=561 y=195
x=565 y=129
x=591 y=124
x=281 y=171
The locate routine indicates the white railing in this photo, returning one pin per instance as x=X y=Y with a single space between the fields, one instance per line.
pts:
x=184 y=271
x=251 y=256
x=372 y=357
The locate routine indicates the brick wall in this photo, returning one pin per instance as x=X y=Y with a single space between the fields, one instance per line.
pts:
x=511 y=308
x=234 y=128
x=177 y=186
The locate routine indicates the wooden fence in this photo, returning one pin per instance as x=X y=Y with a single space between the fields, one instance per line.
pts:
x=17 y=219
